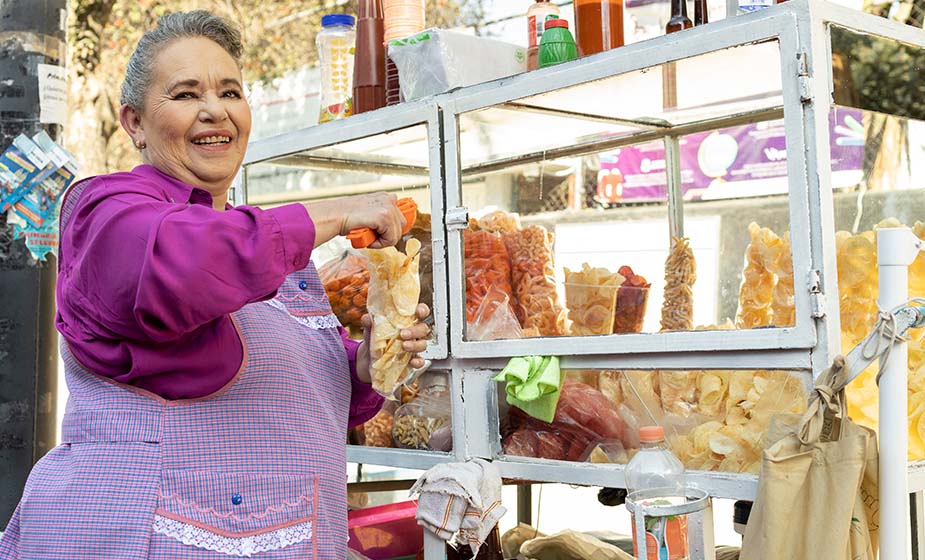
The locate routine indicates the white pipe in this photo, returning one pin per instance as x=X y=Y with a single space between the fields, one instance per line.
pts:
x=896 y=249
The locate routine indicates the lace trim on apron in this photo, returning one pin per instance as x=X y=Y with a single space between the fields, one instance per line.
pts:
x=317 y=322
x=233 y=546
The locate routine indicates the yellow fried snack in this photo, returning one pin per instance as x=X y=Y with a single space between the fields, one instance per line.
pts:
x=783 y=309
x=394 y=290
x=590 y=295
x=499 y=222
x=756 y=293
x=680 y=275
x=678 y=392
x=608 y=383
x=712 y=387
x=641 y=396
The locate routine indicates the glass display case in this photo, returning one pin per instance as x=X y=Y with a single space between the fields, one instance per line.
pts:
x=396 y=150
x=683 y=215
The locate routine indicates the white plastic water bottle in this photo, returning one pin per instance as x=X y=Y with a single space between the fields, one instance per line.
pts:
x=655 y=467
x=336 y=43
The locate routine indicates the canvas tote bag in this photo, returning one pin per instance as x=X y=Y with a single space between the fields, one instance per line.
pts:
x=817 y=492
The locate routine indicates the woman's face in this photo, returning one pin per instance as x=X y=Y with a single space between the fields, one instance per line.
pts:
x=195 y=121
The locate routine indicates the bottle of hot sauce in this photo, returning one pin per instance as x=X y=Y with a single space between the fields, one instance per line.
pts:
x=679 y=19
x=700 y=12
x=598 y=25
x=536 y=21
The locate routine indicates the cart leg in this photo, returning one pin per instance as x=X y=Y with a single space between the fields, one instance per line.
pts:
x=525 y=504
x=434 y=547
x=917 y=510
x=700 y=534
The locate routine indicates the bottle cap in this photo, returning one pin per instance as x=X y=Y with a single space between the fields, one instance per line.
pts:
x=651 y=434
x=329 y=20
x=550 y=23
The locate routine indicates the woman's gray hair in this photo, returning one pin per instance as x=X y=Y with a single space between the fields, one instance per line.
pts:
x=198 y=23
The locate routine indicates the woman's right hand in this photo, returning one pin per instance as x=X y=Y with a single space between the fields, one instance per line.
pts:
x=377 y=211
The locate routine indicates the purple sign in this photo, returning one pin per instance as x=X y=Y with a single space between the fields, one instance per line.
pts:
x=742 y=161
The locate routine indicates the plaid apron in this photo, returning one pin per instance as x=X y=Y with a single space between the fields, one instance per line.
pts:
x=257 y=469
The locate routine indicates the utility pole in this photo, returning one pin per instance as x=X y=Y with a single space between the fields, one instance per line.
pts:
x=32 y=35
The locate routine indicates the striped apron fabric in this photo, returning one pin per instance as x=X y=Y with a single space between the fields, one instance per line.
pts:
x=257 y=469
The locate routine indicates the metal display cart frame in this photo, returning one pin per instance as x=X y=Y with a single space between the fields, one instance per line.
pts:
x=801 y=30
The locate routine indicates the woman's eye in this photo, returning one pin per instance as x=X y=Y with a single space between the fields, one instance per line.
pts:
x=185 y=95
x=232 y=93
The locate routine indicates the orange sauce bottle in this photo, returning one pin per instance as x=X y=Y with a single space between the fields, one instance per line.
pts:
x=598 y=25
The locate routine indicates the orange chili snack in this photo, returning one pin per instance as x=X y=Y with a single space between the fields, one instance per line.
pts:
x=346 y=281
x=486 y=264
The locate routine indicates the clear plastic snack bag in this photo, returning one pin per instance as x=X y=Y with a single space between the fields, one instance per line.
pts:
x=346 y=282
x=424 y=423
x=495 y=318
x=394 y=292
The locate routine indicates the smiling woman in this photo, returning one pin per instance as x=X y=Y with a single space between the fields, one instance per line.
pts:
x=211 y=386
x=194 y=122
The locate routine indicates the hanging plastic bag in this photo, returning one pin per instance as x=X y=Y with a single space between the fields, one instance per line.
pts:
x=820 y=472
x=536 y=297
x=486 y=265
x=394 y=293
x=494 y=319
x=346 y=282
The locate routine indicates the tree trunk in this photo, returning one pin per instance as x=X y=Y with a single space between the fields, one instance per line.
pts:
x=89 y=124
x=92 y=119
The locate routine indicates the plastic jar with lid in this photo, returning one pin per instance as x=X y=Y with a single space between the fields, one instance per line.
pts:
x=335 y=43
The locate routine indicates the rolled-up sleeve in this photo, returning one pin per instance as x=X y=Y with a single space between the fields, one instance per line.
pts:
x=242 y=255
x=138 y=268
x=364 y=401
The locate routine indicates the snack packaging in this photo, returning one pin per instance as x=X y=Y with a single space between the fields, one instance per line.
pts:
x=394 y=289
x=486 y=266
x=536 y=300
x=424 y=423
x=346 y=282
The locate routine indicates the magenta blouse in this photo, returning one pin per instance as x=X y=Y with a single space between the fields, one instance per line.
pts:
x=149 y=273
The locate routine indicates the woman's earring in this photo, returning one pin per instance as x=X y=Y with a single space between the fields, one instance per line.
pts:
x=140 y=145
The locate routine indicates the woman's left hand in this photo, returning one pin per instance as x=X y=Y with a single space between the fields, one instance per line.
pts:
x=414 y=340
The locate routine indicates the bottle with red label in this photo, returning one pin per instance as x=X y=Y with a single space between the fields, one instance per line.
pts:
x=536 y=20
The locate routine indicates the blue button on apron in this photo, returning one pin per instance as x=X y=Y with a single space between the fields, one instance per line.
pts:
x=236 y=499
x=303 y=285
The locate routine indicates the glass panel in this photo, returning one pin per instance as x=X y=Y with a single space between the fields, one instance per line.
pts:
x=618 y=109
x=890 y=192
x=714 y=420
x=584 y=170
x=734 y=184
x=422 y=420
x=877 y=73
x=396 y=161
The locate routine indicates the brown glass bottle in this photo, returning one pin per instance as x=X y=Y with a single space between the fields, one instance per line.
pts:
x=679 y=19
x=700 y=12
x=490 y=550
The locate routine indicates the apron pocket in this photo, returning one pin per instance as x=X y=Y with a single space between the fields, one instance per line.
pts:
x=237 y=514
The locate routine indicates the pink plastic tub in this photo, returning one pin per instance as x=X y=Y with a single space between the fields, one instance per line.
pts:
x=385 y=532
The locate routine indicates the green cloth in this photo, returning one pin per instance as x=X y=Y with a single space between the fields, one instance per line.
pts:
x=533 y=385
